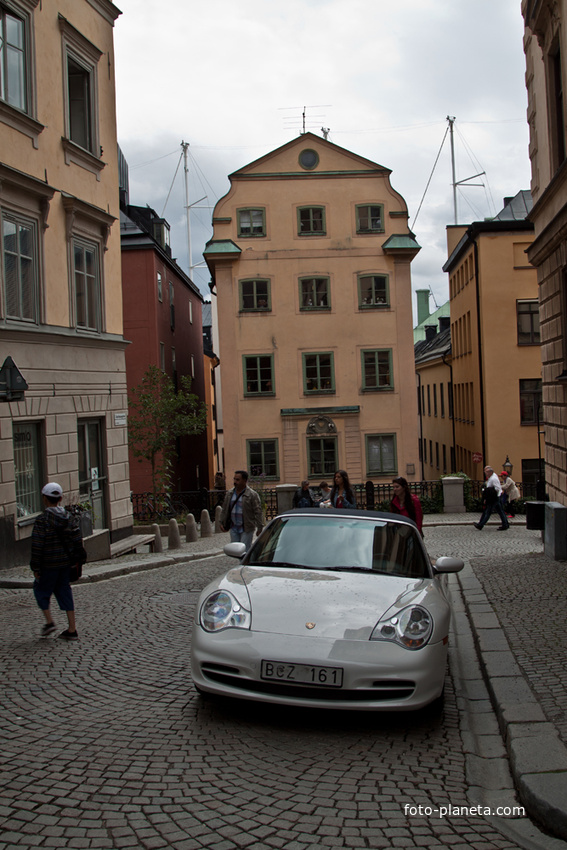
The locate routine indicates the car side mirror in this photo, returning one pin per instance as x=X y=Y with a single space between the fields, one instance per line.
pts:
x=235 y=550
x=445 y=564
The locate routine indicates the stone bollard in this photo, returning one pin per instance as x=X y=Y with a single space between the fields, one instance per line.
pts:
x=173 y=537
x=191 y=533
x=453 y=495
x=206 y=527
x=218 y=512
x=158 y=542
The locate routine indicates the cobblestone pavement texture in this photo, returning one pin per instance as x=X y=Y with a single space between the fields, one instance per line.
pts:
x=107 y=745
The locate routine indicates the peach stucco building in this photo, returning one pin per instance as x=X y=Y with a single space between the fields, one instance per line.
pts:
x=310 y=261
x=495 y=340
x=60 y=288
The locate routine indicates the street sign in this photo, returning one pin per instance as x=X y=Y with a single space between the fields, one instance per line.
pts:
x=477 y=457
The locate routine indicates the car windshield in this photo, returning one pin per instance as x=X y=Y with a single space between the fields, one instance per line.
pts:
x=335 y=543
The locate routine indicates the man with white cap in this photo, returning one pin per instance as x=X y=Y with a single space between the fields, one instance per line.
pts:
x=56 y=545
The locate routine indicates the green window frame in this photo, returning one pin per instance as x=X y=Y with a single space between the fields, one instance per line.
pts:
x=258 y=370
x=263 y=458
x=318 y=372
x=377 y=374
x=370 y=218
x=381 y=454
x=19 y=256
x=255 y=296
x=311 y=221
x=322 y=458
x=314 y=293
x=251 y=222
x=28 y=466
x=373 y=291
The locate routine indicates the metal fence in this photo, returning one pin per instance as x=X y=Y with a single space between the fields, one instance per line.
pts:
x=369 y=496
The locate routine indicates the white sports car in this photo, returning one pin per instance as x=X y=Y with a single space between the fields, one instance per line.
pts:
x=334 y=609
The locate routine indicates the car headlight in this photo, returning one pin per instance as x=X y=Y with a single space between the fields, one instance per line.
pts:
x=221 y=610
x=411 y=628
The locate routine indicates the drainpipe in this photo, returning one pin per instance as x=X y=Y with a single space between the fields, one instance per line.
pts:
x=480 y=362
x=419 y=405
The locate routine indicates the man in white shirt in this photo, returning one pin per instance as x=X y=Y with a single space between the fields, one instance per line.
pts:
x=492 y=501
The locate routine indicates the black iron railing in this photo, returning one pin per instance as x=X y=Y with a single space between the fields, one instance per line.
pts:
x=369 y=496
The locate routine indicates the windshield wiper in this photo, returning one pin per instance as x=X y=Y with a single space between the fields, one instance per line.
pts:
x=280 y=564
x=348 y=569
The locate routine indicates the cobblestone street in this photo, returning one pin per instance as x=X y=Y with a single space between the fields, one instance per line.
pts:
x=107 y=745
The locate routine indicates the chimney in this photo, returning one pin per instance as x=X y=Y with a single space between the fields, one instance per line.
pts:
x=422 y=305
x=430 y=332
x=508 y=201
x=444 y=323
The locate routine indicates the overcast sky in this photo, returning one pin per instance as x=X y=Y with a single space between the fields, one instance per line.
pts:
x=232 y=79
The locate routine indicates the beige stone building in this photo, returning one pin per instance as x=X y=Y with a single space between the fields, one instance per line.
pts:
x=545 y=45
x=60 y=292
x=495 y=340
x=310 y=260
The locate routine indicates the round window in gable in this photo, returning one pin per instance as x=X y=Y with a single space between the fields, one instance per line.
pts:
x=309 y=159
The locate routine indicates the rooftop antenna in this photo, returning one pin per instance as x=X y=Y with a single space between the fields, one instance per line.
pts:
x=465 y=182
x=434 y=299
x=192 y=266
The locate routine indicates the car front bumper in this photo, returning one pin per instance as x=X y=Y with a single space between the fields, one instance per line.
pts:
x=377 y=675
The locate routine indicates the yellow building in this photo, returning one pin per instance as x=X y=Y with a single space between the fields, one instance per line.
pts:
x=310 y=260
x=495 y=340
x=545 y=45
x=433 y=365
x=60 y=292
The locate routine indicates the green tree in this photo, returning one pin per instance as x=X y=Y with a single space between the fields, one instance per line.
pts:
x=158 y=416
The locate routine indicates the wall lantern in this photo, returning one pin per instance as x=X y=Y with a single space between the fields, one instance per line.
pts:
x=507 y=466
x=12 y=383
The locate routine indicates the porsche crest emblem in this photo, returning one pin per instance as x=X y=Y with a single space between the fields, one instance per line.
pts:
x=309 y=625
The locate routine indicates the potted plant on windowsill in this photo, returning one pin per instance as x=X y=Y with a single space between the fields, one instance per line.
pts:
x=84 y=512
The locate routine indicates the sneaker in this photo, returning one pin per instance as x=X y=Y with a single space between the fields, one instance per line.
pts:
x=67 y=635
x=48 y=629
x=477 y=525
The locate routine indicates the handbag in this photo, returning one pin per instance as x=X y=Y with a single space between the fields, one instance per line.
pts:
x=75 y=572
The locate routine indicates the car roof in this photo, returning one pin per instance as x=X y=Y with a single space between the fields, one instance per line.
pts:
x=355 y=513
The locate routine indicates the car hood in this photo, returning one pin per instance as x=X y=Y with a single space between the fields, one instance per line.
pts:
x=336 y=605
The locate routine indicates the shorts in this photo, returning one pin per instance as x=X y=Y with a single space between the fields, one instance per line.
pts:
x=54 y=583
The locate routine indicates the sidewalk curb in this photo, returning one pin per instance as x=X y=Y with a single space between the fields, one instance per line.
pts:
x=101 y=571
x=538 y=757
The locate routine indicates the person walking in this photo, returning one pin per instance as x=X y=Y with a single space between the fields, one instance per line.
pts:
x=492 y=493
x=302 y=497
x=242 y=511
x=510 y=493
x=56 y=544
x=405 y=503
x=342 y=494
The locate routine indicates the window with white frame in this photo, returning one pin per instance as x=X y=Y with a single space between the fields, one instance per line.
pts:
x=88 y=229
x=20 y=267
x=159 y=287
x=87 y=285
x=80 y=68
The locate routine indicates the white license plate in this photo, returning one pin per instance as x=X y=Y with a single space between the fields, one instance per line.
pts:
x=303 y=674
